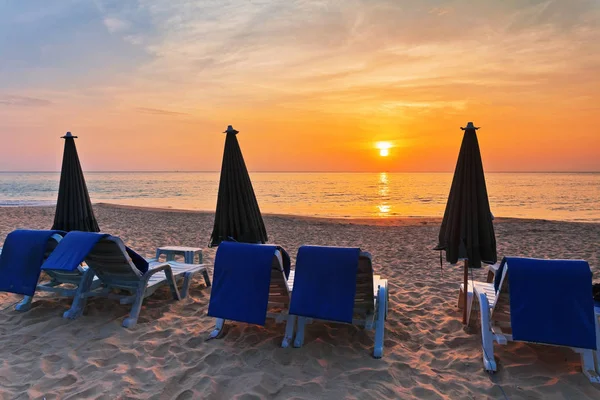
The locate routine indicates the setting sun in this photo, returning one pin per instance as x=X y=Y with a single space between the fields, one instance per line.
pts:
x=384 y=148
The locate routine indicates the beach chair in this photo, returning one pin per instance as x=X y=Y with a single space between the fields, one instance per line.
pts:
x=26 y=250
x=546 y=302
x=250 y=284
x=58 y=279
x=118 y=267
x=338 y=285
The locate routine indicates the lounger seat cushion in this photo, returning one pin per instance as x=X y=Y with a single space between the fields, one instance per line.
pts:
x=325 y=283
x=550 y=301
x=241 y=279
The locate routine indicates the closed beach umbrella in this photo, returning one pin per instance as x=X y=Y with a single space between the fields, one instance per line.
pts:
x=73 y=208
x=467 y=231
x=238 y=216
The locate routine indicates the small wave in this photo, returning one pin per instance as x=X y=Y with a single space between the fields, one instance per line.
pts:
x=26 y=203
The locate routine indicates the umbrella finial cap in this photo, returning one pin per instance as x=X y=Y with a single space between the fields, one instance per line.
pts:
x=470 y=125
x=230 y=130
x=68 y=136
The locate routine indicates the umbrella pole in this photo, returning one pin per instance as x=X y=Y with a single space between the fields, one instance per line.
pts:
x=466 y=290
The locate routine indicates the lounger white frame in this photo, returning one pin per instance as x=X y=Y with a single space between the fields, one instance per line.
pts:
x=494 y=317
x=280 y=290
x=113 y=266
x=370 y=305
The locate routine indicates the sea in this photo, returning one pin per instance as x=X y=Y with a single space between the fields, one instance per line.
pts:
x=551 y=196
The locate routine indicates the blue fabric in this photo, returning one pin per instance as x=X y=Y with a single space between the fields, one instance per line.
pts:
x=72 y=250
x=76 y=245
x=551 y=302
x=325 y=283
x=241 y=279
x=21 y=259
x=139 y=261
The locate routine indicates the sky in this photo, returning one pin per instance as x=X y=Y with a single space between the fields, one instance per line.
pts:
x=312 y=85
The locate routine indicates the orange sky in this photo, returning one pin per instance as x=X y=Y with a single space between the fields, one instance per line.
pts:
x=310 y=85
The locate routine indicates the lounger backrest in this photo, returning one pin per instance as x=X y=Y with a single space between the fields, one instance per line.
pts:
x=112 y=264
x=73 y=277
x=279 y=294
x=364 y=298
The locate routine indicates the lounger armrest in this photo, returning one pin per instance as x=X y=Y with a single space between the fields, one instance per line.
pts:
x=168 y=274
x=154 y=269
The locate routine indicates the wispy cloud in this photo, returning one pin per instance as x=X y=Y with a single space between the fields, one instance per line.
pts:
x=115 y=25
x=22 y=101
x=368 y=66
x=229 y=51
x=156 y=111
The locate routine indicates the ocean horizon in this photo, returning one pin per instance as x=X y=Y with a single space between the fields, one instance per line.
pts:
x=562 y=196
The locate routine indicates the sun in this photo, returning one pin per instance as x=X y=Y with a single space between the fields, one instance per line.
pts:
x=384 y=148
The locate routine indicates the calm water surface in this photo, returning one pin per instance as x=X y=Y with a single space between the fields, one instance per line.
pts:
x=556 y=196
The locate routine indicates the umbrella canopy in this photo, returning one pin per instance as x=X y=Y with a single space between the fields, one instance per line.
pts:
x=467 y=231
x=238 y=215
x=73 y=208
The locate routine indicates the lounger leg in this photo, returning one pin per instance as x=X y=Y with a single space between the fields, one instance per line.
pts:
x=299 y=341
x=25 y=304
x=206 y=277
x=140 y=293
x=219 y=323
x=380 y=324
x=487 y=338
x=289 y=331
x=187 y=280
x=172 y=284
x=134 y=314
x=80 y=298
x=588 y=366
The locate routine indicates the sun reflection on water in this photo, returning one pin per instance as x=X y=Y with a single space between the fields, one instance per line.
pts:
x=384 y=207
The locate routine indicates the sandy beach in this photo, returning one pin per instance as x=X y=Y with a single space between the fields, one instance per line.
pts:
x=428 y=354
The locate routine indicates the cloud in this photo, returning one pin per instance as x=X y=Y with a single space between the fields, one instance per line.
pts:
x=115 y=25
x=157 y=111
x=23 y=101
x=281 y=48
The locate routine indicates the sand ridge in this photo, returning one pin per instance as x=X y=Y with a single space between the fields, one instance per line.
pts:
x=427 y=353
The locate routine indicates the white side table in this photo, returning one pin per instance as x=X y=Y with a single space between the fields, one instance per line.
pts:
x=188 y=253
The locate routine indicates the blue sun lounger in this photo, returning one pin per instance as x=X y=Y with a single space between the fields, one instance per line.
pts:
x=23 y=255
x=250 y=285
x=337 y=284
x=117 y=267
x=540 y=301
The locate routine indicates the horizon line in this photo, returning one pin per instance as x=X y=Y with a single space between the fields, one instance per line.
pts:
x=305 y=172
